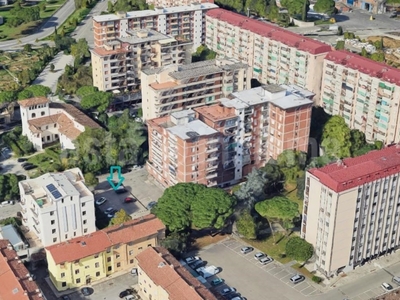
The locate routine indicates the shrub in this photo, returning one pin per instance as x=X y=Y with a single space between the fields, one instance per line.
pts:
x=316 y=279
x=91 y=179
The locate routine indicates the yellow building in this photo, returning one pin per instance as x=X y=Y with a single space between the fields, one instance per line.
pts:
x=86 y=259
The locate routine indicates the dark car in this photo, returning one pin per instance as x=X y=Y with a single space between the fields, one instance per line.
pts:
x=121 y=190
x=130 y=199
x=21 y=159
x=126 y=170
x=87 y=291
x=25 y=164
x=126 y=293
x=65 y=297
x=30 y=167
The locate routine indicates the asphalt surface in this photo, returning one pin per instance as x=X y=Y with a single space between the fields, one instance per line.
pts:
x=45 y=30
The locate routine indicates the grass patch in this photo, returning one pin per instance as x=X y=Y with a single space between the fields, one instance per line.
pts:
x=275 y=250
x=291 y=194
x=208 y=240
x=48 y=161
x=323 y=22
x=302 y=270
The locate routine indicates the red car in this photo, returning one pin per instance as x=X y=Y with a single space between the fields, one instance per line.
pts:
x=130 y=199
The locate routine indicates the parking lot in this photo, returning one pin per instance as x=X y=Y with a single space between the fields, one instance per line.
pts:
x=138 y=186
x=251 y=279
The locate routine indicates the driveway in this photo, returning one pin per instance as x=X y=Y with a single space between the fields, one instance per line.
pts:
x=138 y=185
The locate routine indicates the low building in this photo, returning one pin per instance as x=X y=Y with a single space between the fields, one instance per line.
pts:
x=117 y=64
x=6 y=109
x=46 y=123
x=162 y=277
x=220 y=144
x=57 y=206
x=372 y=6
x=16 y=282
x=173 y=88
x=10 y=233
x=92 y=257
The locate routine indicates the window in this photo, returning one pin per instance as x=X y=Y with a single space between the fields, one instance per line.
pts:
x=52 y=222
x=53 y=231
x=63 y=284
x=116 y=255
x=84 y=213
x=85 y=230
x=130 y=252
x=78 y=280
x=83 y=204
x=97 y=265
x=51 y=213
x=76 y=271
x=109 y=269
x=33 y=115
x=54 y=240
x=84 y=222
x=140 y=248
x=131 y=261
x=118 y=265
x=62 y=275
x=108 y=259
x=97 y=274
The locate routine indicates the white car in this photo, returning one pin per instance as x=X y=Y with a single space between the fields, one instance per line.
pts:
x=109 y=210
x=265 y=260
x=101 y=201
x=259 y=255
x=297 y=278
x=386 y=286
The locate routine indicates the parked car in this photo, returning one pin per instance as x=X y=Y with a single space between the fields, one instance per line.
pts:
x=130 y=199
x=151 y=204
x=65 y=297
x=121 y=190
x=265 y=260
x=87 y=291
x=246 y=250
x=109 y=210
x=111 y=213
x=191 y=259
x=393 y=15
x=21 y=159
x=297 y=278
x=209 y=271
x=386 y=286
x=227 y=291
x=101 y=201
x=396 y=280
x=130 y=297
x=197 y=264
x=125 y=293
x=26 y=164
x=30 y=167
x=259 y=255
x=217 y=281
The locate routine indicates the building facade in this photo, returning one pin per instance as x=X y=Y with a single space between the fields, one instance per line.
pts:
x=117 y=64
x=162 y=277
x=10 y=233
x=365 y=93
x=46 y=123
x=218 y=145
x=351 y=210
x=173 y=88
x=188 y=22
x=57 y=206
x=83 y=260
x=16 y=282
x=278 y=56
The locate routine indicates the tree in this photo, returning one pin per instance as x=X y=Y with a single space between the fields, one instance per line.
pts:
x=357 y=139
x=325 y=7
x=299 y=249
x=91 y=179
x=98 y=100
x=305 y=9
x=86 y=91
x=364 y=52
x=80 y=50
x=38 y=90
x=253 y=190
x=176 y=243
x=110 y=7
x=8 y=96
x=28 y=48
x=292 y=163
x=336 y=138
x=340 y=45
x=9 y=186
x=278 y=209
x=273 y=11
x=120 y=217
x=189 y=204
x=52 y=67
x=340 y=31
x=296 y=7
x=378 y=56
x=246 y=226
x=42 y=6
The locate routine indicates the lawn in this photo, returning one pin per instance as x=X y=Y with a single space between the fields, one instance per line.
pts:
x=291 y=194
x=271 y=248
x=48 y=161
x=8 y=33
x=20 y=61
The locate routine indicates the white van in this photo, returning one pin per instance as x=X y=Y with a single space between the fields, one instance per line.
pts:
x=396 y=280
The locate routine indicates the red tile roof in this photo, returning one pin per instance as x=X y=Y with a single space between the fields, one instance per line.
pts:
x=165 y=271
x=15 y=283
x=271 y=31
x=33 y=101
x=365 y=65
x=353 y=172
x=101 y=240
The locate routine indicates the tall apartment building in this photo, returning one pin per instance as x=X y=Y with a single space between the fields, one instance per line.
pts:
x=173 y=3
x=188 y=22
x=57 y=206
x=364 y=92
x=84 y=260
x=221 y=143
x=117 y=64
x=173 y=88
x=351 y=210
x=278 y=56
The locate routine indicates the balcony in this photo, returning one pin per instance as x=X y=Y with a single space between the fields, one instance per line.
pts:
x=212 y=149
x=211 y=183
x=212 y=141
x=212 y=157
x=211 y=175
x=212 y=166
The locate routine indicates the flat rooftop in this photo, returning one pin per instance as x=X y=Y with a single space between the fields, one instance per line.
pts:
x=143 y=36
x=191 y=130
x=217 y=112
x=154 y=12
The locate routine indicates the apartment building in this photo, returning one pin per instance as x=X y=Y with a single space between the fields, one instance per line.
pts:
x=188 y=22
x=177 y=87
x=221 y=143
x=364 y=92
x=57 y=206
x=173 y=3
x=46 y=123
x=84 y=260
x=16 y=282
x=117 y=64
x=278 y=56
x=351 y=210
x=162 y=277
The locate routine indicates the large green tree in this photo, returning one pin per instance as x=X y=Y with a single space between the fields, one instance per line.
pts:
x=299 y=249
x=325 y=6
x=34 y=91
x=120 y=217
x=9 y=186
x=187 y=205
x=296 y=7
x=292 y=164
x=246 y=226
x=336 y=138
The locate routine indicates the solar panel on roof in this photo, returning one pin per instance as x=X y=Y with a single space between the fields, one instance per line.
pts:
x=56 y=194
x=51 y=188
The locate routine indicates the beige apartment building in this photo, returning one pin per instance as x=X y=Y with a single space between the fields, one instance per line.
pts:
x=364 y=92
x=177 y=87
x=162 y=277
x=117 y=64
x=173 y=3
x=351 y=210
x=188 y=22
x=278 y=56
x=89 y=258
x=217 y=145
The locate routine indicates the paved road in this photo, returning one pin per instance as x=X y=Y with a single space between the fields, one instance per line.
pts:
x=48 y=28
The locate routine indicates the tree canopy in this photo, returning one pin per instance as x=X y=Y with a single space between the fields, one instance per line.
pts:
x=92 y=98
x=297 y=7
x=299 y=249
x=292 y=164
x=325 y=7
x=9 y=187
x=336 y=138
x=120 y=217
x=246 y=226
x=34 y=91
x=278 y=209
x=8 y=96
x=187 y=205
